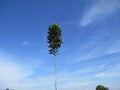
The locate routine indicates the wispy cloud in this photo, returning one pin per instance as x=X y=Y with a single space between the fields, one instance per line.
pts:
x=107 y=74
x=111 y=72
x=100 y=10
x=88 y=79
x=11 y=74
x=19 y=76
x=101 y=43
x=95 y=53
x=25 y=43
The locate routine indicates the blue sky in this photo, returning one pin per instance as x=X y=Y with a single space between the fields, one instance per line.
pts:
x=89 y=55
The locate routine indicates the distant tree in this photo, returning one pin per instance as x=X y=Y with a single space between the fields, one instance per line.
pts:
x=7 y=88
x=54 y=39
x=101 y=87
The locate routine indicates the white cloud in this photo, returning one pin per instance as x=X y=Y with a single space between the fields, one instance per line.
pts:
x=102 y=43
x=95 y=53
x=11 y=74
x=75 y=80
x=100 y=10
x=17 y=76
x=25 y=43
x=107 y=74
x=113 y=71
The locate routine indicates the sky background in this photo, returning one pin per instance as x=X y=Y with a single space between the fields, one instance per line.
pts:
x=89 y=55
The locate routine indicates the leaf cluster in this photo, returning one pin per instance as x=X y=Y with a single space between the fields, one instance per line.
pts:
x=54 y=38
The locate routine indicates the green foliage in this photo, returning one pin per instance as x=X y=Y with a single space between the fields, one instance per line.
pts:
x=54 y=38
x=100 y=87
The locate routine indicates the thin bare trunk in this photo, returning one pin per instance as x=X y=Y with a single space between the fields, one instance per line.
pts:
x=56 y=76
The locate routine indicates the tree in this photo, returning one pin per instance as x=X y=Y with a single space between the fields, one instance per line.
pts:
x=100 y=87
x=7 y=88
x=55 y=40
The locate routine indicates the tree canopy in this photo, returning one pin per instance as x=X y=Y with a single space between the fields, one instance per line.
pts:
x=54 y=38
x=101 y=87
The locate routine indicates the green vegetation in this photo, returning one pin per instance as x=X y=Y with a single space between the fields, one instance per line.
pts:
x=100 y=87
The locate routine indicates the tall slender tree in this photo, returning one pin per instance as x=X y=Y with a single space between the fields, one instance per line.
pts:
x=55 y=40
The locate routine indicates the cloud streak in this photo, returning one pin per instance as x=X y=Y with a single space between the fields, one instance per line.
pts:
x=100 y=10
x=101 y=43
x=113 y=71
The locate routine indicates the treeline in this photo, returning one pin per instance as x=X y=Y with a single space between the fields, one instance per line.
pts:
x=99 y=87
x=9 y=89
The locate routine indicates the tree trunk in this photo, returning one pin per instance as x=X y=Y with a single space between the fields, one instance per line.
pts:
x=56 y=76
